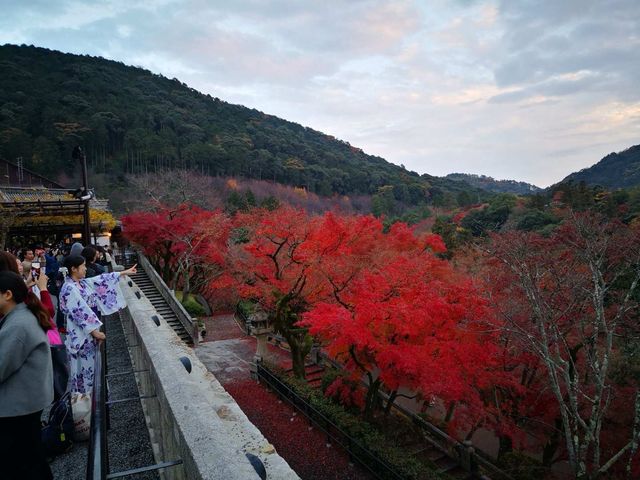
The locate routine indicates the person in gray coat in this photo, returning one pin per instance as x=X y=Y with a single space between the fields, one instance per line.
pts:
x=26 y=380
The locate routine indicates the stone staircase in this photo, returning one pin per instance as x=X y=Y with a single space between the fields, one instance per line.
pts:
x=150 y=291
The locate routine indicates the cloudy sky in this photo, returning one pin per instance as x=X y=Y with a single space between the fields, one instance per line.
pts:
x=519 y=89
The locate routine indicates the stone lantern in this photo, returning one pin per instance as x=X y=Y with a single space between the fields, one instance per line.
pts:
x=260 y=328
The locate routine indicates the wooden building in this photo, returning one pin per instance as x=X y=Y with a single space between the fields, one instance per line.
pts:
x=36 y=209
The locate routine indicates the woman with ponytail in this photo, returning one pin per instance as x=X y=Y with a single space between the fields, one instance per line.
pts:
x=26 y=380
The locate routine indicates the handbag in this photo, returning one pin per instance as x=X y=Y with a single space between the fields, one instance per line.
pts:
x=60 y=365
x=57 y=433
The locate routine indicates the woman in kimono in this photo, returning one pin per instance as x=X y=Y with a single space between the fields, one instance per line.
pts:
x=78 y=296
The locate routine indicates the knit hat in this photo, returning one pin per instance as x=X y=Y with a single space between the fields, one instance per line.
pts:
x=76 y=249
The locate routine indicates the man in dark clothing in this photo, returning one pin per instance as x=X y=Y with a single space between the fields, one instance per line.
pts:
x=93 y=270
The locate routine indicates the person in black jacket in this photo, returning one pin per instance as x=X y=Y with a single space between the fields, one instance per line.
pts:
x=90 y=255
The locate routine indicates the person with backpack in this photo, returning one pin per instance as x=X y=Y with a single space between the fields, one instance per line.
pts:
x=26 y=380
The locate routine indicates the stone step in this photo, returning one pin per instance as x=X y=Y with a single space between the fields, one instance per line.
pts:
x=150 y=291
x=154 y=299
x=164 y=311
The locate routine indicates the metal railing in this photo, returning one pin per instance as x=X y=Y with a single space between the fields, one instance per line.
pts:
x=242 y=321
x=358 y=452
x=98 y=453
x=98 y=462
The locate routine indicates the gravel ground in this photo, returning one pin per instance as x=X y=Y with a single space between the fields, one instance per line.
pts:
x=128 y=439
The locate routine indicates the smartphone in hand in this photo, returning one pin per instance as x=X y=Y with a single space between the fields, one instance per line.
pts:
x=35 y=270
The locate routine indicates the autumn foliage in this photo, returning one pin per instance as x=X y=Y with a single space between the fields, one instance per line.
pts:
x=569 y=306
x=520 y=336
x=186 y=243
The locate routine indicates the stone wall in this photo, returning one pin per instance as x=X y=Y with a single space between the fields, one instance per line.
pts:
x=191 y=416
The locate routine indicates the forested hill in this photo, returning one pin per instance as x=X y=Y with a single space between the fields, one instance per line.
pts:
x=616 y=170
x=130 y=120
x=497 y=186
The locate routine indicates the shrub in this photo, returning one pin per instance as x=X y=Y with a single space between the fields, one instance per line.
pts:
x=522 y=466
x=330 y=376
x=247 y=307
x=193 y=307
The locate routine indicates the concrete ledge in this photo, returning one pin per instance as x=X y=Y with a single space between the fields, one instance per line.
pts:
x=192 y=417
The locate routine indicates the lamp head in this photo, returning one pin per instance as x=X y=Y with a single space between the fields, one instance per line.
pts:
x=77 y=153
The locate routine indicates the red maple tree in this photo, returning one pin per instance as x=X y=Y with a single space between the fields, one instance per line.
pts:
x=402 y=317
x=275 y=266
x=185 y=243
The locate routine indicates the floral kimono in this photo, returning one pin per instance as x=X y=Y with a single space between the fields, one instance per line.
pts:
x=76 y=301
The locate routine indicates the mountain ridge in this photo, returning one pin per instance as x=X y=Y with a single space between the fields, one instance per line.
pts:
x=496 y=186
x=615 y=170
x=130 y=120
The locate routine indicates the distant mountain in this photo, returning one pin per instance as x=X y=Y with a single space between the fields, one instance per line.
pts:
x=616 y=170
x=496 y=186
x=130 y=121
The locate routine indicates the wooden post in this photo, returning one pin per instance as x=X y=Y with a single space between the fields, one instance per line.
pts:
x=468 y=459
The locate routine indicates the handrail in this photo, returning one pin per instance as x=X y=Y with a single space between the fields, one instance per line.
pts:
x=373 y=463
x=98 y=461
x=478 y=455
x=189 y=324
x=243 y=321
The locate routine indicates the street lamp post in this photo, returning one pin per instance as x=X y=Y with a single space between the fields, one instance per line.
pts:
x=79 y=155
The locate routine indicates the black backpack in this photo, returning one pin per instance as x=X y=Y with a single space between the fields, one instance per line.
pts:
x=58 y=431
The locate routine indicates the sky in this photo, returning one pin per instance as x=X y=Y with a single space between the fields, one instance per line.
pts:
x=513 y=89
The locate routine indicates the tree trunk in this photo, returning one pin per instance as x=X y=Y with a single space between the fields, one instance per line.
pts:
x=550 y=448
x=371 y=398
x=392 y=398
x=505 y=446
x=173 y=284
x=166 y=268
x=450 y=410
x=186 y=288
x=297 y=357
x=300 y=345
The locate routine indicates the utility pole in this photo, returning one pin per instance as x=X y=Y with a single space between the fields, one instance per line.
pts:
x=79 y=155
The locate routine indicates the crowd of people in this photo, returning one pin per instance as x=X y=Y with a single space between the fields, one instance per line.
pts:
x=51 y=302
